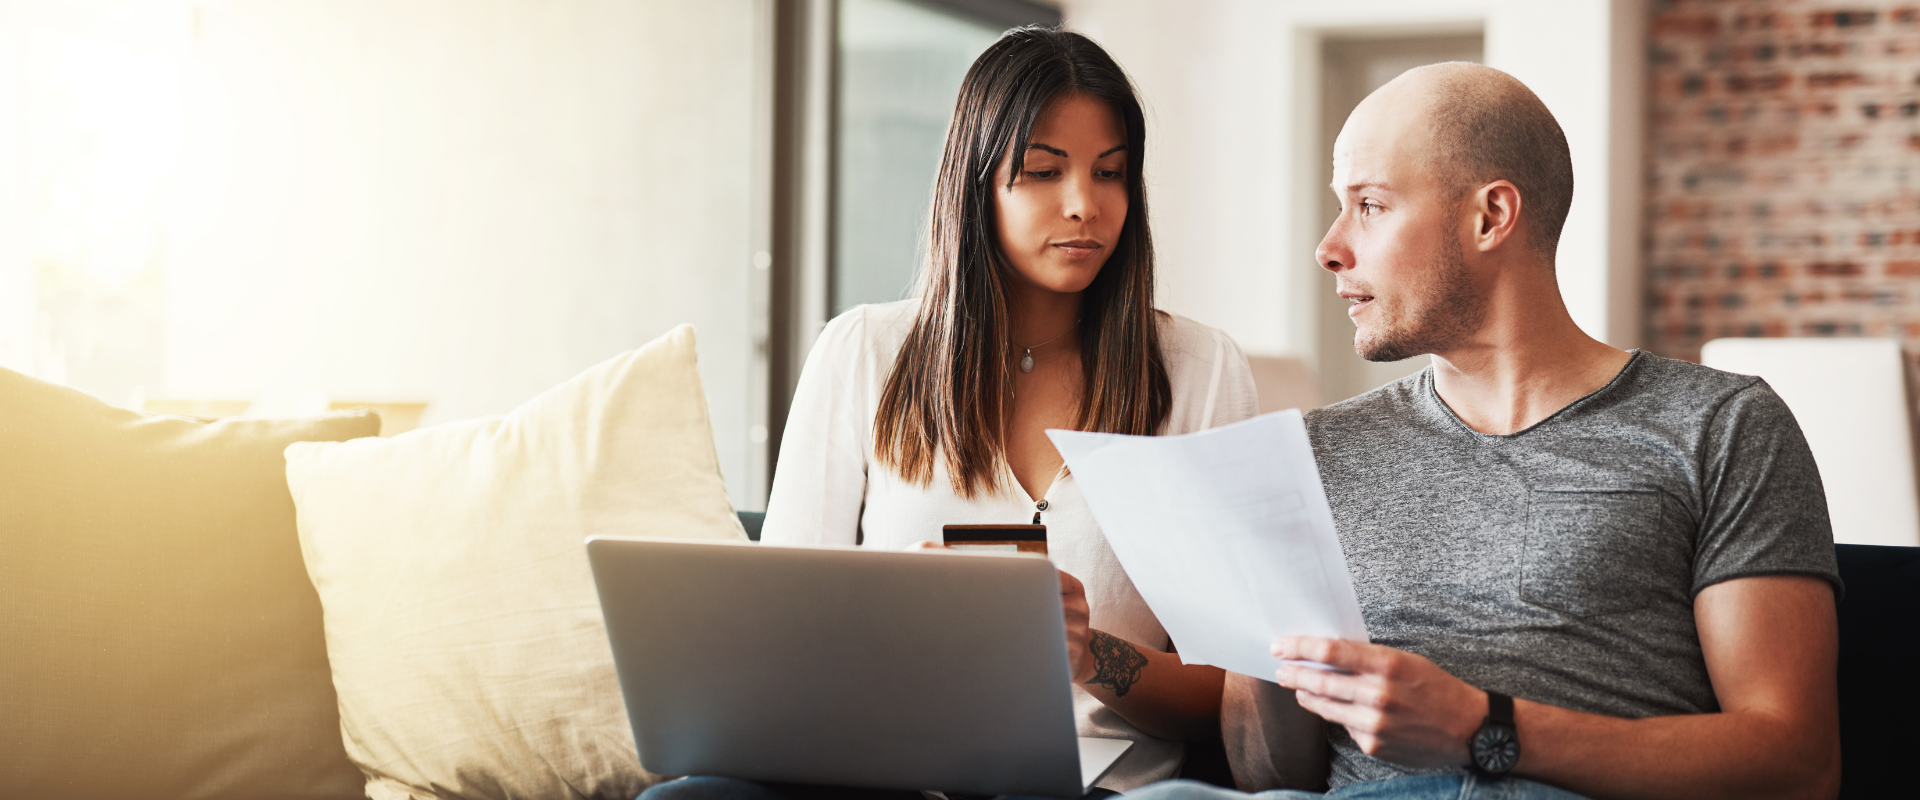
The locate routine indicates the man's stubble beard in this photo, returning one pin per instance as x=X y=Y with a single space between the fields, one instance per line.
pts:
x=1448 y=312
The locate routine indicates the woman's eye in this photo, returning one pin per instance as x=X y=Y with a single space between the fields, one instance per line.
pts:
x=1110 y=174
x=1042 y=174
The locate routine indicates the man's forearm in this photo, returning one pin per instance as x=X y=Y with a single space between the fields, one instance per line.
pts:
x=1737 y=754
x=1770 y=645
x=1153 y=690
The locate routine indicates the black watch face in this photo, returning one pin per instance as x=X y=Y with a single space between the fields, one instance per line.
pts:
x=1495 y=748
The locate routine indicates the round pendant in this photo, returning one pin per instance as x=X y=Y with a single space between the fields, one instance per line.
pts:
x=1026 y=361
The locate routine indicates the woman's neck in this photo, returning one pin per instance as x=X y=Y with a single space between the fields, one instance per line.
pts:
x=1037 y=315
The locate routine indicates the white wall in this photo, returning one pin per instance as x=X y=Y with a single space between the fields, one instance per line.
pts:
x=462 y=202
x=1231 y=88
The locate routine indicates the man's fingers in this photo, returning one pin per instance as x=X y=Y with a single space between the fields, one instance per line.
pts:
x=1337 y=653
x=1332 y=685
x=1358 y=720
x=1325 y=707
x=1305 y=648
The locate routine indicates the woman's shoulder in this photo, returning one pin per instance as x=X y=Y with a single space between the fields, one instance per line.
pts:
x=1183 y=340
x=1211 y=382
x=873 y=327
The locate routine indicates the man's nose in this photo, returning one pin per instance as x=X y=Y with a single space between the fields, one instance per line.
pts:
x=1333 y=254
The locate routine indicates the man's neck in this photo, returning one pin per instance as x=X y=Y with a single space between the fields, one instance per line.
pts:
x=1527 y=363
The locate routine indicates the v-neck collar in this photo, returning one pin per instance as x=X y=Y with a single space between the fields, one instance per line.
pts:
x=1432 y=393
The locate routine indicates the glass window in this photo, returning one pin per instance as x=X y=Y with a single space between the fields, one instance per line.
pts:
x=272 y=208
x=900 y=67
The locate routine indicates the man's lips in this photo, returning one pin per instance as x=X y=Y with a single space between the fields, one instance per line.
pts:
x=1360 y=302
x=1078 y=248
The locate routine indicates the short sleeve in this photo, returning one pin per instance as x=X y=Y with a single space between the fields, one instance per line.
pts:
x=1211 y=382
x=1236 y=397
x=1765 y=508
x=820 y=482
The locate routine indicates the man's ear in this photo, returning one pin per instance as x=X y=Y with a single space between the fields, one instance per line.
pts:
x=1496 y=214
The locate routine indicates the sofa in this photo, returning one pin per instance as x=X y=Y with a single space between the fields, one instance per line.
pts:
x=160 y=638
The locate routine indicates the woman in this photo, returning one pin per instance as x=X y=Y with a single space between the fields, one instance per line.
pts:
x=1036 y=311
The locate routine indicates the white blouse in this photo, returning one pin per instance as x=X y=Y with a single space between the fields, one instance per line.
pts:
x=829 y=490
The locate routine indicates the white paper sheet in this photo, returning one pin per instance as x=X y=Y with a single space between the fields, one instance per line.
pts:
x=1226 y=533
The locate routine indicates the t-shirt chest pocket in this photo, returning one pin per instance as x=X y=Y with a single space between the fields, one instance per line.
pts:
x=1599 y=551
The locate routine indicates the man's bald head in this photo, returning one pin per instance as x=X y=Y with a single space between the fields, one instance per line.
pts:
x=1485 y=125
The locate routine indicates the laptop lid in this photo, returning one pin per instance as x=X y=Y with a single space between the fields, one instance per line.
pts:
x=842 y=666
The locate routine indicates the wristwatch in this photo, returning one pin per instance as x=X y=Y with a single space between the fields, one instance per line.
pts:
x=1496 y=746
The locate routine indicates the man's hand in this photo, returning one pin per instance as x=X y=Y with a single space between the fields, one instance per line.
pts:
x=1398 y=706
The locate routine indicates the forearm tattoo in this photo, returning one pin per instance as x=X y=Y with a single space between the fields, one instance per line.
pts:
x=1116 y=664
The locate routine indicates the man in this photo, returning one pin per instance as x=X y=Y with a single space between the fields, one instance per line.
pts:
x=1634 y=550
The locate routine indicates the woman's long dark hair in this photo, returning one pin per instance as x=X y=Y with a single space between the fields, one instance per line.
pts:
x=951 y=390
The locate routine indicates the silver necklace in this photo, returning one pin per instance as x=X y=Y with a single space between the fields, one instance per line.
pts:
x=1026 y=361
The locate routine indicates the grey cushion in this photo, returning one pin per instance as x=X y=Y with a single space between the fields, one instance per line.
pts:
x=158 y=634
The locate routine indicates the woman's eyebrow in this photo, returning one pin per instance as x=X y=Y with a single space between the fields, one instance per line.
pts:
x=1063 y=154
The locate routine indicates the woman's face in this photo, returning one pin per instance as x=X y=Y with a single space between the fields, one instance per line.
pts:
x=1059 y=218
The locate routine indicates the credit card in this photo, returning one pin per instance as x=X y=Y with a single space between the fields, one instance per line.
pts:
x=996 y=538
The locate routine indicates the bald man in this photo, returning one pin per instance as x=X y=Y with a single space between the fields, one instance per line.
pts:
x=1586 y=571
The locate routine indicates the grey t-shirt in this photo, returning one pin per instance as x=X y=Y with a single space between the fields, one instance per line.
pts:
x=1559 y=564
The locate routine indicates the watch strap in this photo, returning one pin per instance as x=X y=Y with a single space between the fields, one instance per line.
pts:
x=1499 y=708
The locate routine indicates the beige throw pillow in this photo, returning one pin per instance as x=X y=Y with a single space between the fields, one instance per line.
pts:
x=466 y=639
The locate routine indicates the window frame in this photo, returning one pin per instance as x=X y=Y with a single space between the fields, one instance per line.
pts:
x=793 y=293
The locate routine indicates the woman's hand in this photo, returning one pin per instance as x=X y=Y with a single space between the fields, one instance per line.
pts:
x=1073 y=601
x=1181 y=702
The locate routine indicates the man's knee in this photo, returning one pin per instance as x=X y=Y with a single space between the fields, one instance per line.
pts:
x=1195 y=790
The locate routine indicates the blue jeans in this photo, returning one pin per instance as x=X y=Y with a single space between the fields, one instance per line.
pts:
x=1417 y=787
x=710 y=788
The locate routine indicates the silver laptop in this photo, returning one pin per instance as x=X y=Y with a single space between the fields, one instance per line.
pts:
x=846 y=667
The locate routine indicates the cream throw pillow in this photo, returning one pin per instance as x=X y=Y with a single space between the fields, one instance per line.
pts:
x=466 y=639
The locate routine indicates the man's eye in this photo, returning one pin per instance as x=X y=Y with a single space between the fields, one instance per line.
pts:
x=1368 y=208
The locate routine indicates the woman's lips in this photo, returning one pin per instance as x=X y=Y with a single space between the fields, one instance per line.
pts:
x=1079 y=248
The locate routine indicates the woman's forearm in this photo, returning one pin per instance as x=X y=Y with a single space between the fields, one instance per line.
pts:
x=1151 y=689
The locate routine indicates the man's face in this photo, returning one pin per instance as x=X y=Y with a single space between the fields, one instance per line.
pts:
x=1396 y=248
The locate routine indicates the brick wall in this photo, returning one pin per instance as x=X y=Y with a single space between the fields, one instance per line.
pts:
x=1784 y=169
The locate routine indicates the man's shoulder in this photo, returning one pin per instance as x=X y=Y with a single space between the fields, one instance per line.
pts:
x=1685 y=379
x=1651 y=391
x=1659 y=388
x=1389 y=401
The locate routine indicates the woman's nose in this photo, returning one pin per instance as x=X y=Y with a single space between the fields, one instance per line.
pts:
x=1079 y=204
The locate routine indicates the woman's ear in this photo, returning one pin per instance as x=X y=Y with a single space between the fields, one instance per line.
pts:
x=1497 y=213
